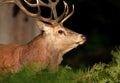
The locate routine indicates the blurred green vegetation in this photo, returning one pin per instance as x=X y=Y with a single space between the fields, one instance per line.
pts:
x=98 y=73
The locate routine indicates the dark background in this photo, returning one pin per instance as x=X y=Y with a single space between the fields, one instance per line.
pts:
x=98 y=20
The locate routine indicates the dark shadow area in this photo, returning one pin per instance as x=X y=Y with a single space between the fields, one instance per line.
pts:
x=99 y=21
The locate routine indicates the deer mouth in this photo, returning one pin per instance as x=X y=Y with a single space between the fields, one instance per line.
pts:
x=81 y=42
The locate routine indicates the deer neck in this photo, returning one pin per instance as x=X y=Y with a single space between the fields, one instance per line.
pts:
x=39 y=50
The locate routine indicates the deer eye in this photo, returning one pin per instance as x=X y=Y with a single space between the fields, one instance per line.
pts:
x=61 y=32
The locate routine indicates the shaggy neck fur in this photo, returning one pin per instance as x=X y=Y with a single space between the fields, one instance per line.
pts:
x=39 y=50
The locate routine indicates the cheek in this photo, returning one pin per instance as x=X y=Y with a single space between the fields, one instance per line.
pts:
x=63 y=40
x=61 y=43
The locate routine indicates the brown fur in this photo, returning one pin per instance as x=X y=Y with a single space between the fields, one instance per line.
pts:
x=13 y=56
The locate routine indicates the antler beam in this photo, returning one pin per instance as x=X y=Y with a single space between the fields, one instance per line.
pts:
x=51 y=4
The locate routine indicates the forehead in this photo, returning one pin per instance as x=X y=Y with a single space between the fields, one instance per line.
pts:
x=56 y=26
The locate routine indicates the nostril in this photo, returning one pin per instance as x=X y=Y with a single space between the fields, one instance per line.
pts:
x=83 y=37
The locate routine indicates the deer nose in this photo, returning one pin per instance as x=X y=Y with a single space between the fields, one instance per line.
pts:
x=83 y=37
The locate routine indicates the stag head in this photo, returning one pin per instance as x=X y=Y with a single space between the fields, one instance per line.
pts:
x=54 y=35
x=52 y=27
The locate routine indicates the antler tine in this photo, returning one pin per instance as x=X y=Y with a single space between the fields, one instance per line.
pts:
x=18 y=3
x=65 y=12
x=35 y=5
x=29 y=4
x=68 y=16
x=4 y=2
x=67 y=8
x=38 y=15
x=39 y=11
x=52 y=5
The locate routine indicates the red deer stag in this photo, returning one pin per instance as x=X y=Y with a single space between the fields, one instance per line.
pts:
x=47 y=48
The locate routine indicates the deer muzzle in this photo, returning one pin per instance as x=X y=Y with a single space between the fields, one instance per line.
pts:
x=81 y=39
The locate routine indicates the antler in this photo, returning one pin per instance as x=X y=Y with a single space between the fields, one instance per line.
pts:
x=51 y=4
x=64 y=16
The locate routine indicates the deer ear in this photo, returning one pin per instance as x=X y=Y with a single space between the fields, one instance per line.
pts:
x=42 y=26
